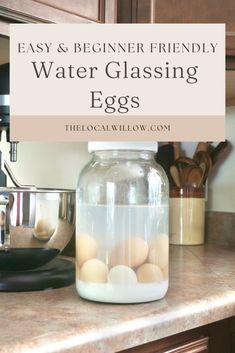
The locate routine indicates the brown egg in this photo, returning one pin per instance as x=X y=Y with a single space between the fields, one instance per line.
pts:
x=94 y=271
x=159 y=251
x=40 y=225
x=41 y=235
x=132 y=252
x=86 y=248
x=165 y=272
x=149 y=273
x=78 y=271
x=43 y=230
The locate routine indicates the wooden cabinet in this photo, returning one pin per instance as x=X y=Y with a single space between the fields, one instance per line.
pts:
x=92 y=10
x=122 y=11
x=56 y=11
x=196 y=346
x=182 y=11
x=213 y=338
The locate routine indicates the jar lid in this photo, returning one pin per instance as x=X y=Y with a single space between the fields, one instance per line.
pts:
x=122 y=145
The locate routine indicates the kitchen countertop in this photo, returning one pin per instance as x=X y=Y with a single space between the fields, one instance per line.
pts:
x=202 y=290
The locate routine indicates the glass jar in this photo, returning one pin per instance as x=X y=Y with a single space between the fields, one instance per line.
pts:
x=122 y=224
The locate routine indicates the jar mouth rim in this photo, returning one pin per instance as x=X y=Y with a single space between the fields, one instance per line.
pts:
x=95 y=146
x=123 y=150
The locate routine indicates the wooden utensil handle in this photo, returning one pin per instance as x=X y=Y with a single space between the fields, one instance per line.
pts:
x=201 y=146
x=218 y=150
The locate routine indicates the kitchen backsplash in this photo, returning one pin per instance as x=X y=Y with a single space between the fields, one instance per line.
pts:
x=220 y=228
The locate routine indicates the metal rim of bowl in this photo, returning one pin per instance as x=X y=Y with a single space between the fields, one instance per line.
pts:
x=36 y=190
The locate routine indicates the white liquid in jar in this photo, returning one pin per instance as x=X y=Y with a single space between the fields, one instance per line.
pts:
x=131 y=244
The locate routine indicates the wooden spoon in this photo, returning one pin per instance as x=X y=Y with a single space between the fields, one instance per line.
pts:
x=204 y=176
x=176 y=150
x=201 y=146
x=175 y=175
x=185 y=161
x=204 y=157
x=184 y=174
x=192 y=176
x=218 y=151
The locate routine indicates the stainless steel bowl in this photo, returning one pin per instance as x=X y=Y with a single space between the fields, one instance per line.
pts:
x=35 y=225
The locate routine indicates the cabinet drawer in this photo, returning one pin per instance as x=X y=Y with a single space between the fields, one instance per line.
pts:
x=196 y=346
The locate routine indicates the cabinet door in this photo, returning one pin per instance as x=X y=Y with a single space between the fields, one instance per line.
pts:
x=182 y=11
x=196 y=346
x=56 y=11
x=93 y=10
x=90 y=9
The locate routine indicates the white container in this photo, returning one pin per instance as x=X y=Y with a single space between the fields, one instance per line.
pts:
x=122 y=224
x=187 y=216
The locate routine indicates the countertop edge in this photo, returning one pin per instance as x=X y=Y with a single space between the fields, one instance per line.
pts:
x=140 y=331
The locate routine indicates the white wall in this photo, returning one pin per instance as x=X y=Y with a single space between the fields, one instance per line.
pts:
x=222 y=182
x=48 y=164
